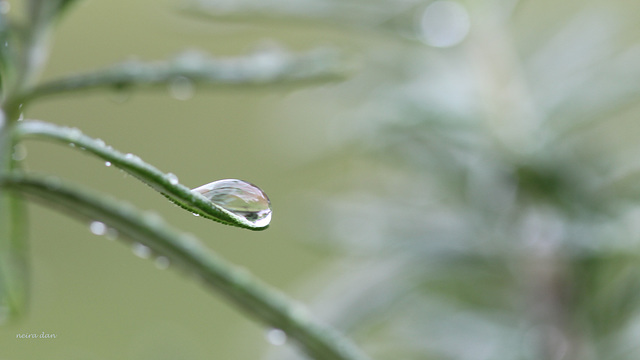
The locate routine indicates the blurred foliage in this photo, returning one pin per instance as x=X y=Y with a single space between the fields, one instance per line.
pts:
x=487 y=201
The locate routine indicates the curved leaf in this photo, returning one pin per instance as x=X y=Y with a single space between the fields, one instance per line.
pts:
x=236 y=284
x=132 y=164
x=262 y=68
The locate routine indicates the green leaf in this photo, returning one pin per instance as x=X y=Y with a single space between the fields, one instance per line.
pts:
x=132 y=164
x=184 y=251
x=263 y=68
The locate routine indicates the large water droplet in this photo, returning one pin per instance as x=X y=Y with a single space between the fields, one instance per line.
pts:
x=98 y=228
x=239 y=197
x=276 y=337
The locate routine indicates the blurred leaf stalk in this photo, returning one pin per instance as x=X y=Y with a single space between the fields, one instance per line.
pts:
x=486 y=189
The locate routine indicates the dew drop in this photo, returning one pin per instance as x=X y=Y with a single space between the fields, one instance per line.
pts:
x=98 y=228
x=111 y=234
x=444 y=23
x=133 y=158
x=172 y=178
x=181 y=88
x=240 y=198
x=74 y=134
x=141 y=251
x=107 y=163
x=19 y=153
x=100 y=142
x=196 y=214
x=276 y=337
x=162 y=262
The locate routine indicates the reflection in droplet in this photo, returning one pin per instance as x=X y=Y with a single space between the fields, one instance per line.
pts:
x=172 y=178
x=98 y=228
x=107 y=163
x=444 y=23
x=162 y=262
x=240 y=198
x=181 y=88
x=141 y=251
x=276 y=337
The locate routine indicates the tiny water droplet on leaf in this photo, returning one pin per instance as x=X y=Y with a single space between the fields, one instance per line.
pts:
x=19 y=152
x=172 y=178
x=111 y=234
x=162 y=262
x=107 y=163
x=240 y=198
x=181 y=88
x=276 y=337
x=141 y=251
x=98 y=228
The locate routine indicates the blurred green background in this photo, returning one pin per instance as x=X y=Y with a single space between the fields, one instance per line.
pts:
x=469 y=192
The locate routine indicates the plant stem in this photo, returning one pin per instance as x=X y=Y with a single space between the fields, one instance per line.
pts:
x=236 y=284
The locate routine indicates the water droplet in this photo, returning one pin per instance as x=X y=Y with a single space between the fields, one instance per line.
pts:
x=133 y=158
x=172 y=178
x=100 y=142
x=21 y=117
x=162 y=262
x=276 y=337
x=141 y=251
x=98 y=228
x=240 y=198
x=107 y=163
x=111 y=234
x=444 y=23
x=196 y=214
x=19 y=152
x=74 y=134
x=181 y=88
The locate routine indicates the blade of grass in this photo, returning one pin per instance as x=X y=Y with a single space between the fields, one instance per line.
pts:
x=263 y=68
x=237 y=285
x=132 y=164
